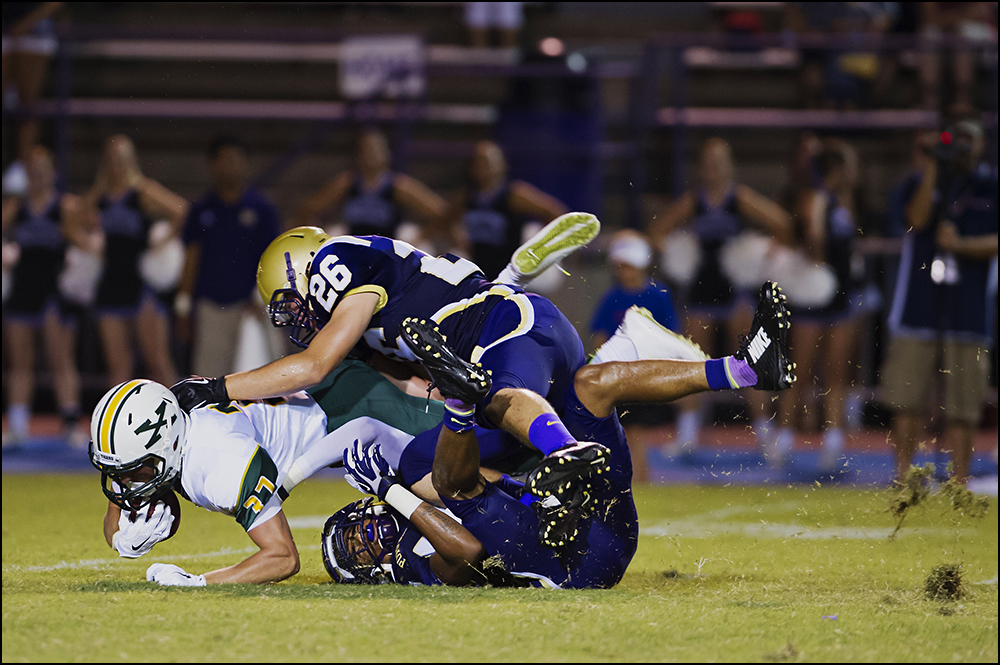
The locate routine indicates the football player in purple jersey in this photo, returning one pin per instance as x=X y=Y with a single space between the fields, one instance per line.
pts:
x=350 y=293
x=495 y=531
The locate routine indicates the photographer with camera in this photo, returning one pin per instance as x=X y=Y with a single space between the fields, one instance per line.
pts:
x=941 y=319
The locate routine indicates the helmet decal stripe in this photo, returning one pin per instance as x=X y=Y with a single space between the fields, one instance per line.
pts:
x=290 y=271
x=112 y=410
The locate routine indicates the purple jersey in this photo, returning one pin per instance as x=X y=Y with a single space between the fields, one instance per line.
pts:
x=447 y=289
x=508 y=529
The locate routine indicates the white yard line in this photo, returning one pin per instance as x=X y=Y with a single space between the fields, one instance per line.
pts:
x=103 y=563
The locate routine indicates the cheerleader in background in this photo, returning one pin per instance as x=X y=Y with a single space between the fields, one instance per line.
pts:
x=41 y=225
x=124 y=204
x=717 y=212
x=374 y=200
x=824 y=337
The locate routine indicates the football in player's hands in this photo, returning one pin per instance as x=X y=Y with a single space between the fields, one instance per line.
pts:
x=173 y=504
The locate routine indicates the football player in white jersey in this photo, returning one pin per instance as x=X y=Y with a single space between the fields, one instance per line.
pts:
x=240 y=459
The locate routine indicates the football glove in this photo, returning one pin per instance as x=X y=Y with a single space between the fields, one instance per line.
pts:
x=198 y=391
x=167 y=574
x=134 y=539
x=367 y=470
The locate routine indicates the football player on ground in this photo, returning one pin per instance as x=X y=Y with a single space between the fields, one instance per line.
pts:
x=583 y=536
x=240 y=459
x=337 y=293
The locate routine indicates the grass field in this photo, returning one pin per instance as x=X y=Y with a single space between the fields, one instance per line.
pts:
x=780 y=574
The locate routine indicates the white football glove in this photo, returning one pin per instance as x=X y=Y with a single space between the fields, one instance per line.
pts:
x=134 y=539
x=167 y=574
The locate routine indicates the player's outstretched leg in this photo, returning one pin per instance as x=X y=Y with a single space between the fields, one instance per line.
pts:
x=454 y=377
x=765 y=349
x=557 y=239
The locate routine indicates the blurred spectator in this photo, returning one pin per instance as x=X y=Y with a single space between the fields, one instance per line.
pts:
x=942 y=318
x=493 y=216
x=630 y=257
x=29 y=42
x=374 y=200
x=823 y=339
x=226 y=232
x=125 y=205
x=921 y=152
x=481 y=18
x=717 y=211
x=975 y=23
x=803 y=173
x=42 y=223
x=840 y=77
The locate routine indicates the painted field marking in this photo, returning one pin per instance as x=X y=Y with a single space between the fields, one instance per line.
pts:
x=103 y=563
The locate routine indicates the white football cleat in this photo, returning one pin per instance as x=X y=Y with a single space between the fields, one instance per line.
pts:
x=641 y=337
x=557 y=240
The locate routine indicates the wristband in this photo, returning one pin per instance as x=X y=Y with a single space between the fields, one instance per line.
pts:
x=403 y=500
x=182 y=304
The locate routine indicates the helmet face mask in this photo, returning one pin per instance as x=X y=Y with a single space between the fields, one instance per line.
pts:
x=358 y=541
x=135 y=485
x=138 y=431
x=289 y=308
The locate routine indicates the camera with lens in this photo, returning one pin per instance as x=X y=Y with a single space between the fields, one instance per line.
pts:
x=948 y=148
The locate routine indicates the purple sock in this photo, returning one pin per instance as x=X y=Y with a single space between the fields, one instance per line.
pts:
x=548 y=434
x=458 y=415
x=729 y=373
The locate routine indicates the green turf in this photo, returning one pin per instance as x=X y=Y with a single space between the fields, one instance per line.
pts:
x=722 y=574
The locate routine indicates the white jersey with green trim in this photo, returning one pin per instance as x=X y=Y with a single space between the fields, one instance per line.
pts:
x=237 y=455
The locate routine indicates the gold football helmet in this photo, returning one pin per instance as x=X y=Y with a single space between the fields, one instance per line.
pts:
x=283 y=280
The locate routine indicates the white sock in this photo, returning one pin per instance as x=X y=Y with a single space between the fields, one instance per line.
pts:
x=509 y=275
x=18 y=418
x=688 y=428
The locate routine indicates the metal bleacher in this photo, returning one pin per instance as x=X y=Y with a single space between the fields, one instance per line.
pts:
x=188 y=71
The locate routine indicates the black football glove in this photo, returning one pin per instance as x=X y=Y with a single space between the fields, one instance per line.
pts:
x=198 y=391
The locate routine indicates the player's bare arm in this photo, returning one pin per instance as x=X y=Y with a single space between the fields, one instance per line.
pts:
x=302 y=370
x=456 y=550
x=278 y=558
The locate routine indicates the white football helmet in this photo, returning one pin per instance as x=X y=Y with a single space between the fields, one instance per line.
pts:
x=137 y=424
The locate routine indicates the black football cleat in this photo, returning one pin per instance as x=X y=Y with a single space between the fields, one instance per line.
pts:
x=558 y=519
x=558 y=473
x=765 y=349
x=454 y=378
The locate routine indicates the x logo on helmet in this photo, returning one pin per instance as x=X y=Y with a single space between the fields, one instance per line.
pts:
x=149 y=425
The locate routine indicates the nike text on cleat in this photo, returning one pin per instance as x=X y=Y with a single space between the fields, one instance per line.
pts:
x=558 y=518
x=454 y=377
x=765 y=349
x=559 y=238
x=569 y=466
